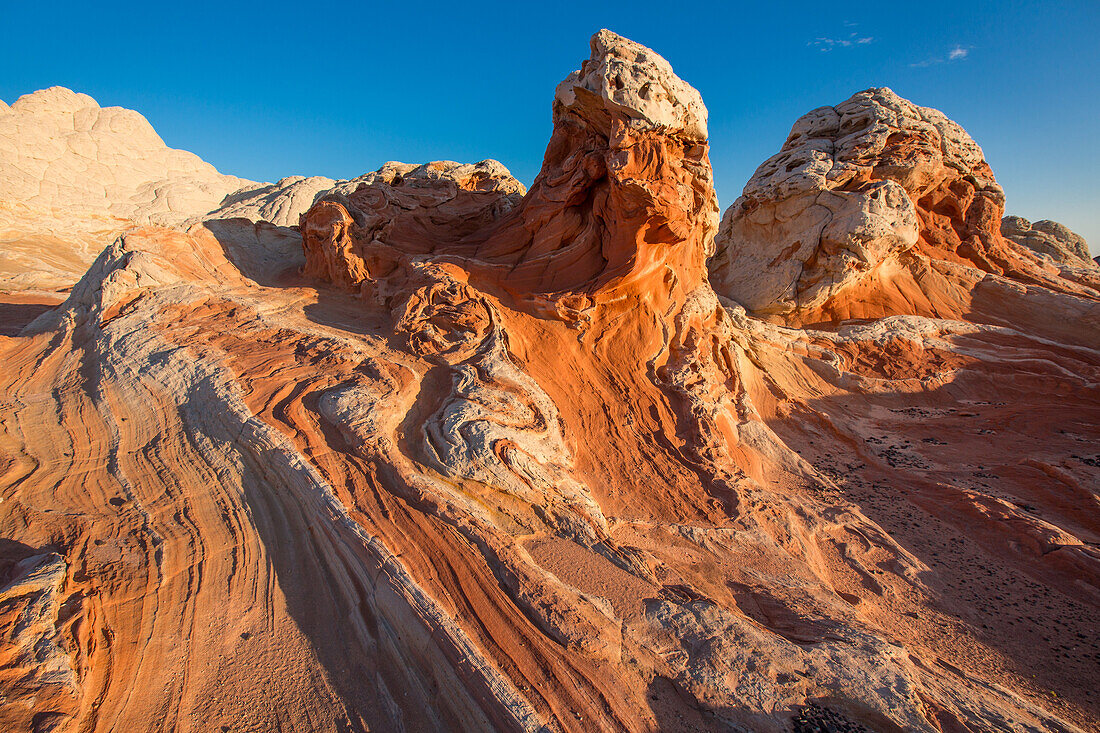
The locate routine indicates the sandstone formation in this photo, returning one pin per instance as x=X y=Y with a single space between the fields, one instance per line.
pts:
x=62 y=151
x=873 y=208
x=456 y=456
x=629 y=140
x=624 y=207
x=283 y=203
x=1049 y=238
x=74 y=176
x=398 y=211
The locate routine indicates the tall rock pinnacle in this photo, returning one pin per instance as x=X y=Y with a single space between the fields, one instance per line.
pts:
x=625 y=191
x=625 y=196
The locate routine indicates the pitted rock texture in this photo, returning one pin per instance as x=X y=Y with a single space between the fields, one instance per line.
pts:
x=455 y=458
x=37 y=668
x=402 y=211
x=842 y=197
x=1049 y=238
x=872 y=208
x=626 y=79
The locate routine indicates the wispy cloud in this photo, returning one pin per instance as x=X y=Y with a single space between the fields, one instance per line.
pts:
x=826 y=43
x=957 y=53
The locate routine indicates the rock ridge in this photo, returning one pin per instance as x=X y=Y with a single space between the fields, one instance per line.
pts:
x=1049 y=238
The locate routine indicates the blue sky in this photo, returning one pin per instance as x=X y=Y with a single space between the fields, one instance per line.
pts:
x=271 y=89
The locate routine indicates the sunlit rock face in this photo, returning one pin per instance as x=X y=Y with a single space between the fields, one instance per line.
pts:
x=75 y=175
x=874 y=207
x=61 y=150
x=624 y=207
x=402 y=212
x=1049 y=238
x=453 y=455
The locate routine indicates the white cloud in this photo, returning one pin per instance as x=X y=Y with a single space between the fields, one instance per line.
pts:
x=957 y=53
x=853 y=39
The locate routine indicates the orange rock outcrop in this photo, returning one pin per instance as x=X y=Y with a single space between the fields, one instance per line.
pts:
x=624 y=207
x=476 y=458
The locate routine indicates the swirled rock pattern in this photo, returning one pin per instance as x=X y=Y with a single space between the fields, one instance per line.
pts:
x=624 y=207
x=453 y=456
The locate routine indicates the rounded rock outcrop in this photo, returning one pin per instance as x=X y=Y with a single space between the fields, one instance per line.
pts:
x=360 y=237
x=59 y=150
x=853 y=187
x=1049 y=238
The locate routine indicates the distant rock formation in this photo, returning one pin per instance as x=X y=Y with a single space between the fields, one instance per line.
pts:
x=74 y=176
x=60 y=150
x=280 y=203
x=1049 y=238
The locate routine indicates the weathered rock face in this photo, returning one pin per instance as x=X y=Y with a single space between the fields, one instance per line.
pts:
x=1049 y=238
x=36 y=662
x=453 y=457
x=624 y=196
x=399 y=212
x=284 y=202
x=871 y=208
x=281 y=203
x=833 y=204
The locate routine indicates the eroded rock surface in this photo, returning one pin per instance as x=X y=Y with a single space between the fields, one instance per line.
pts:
x=1049 y=238
x=624 y=206
x=457 y=457
x=401 y=212
x=872 y=208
